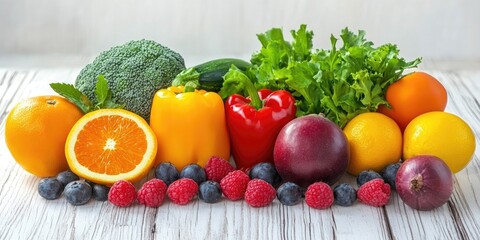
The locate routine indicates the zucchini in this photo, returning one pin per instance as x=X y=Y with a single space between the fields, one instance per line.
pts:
x=209 y=75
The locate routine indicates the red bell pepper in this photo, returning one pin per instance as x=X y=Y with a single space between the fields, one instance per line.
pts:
x=255 y=122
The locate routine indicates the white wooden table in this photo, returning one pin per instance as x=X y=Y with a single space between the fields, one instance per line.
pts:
x=25 y=215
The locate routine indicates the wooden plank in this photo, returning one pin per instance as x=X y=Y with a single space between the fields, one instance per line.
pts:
x=407 y=223
x=237 y=220
x=25 y=215
x=464 y=89
x=12 y=85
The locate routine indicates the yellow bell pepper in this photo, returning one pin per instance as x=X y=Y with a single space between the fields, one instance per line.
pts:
x=190 y=126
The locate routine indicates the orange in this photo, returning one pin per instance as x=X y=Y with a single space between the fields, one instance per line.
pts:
x=443 y=135
x=109 y=145
x=35 y=132
x=413 y=95
x=375 y=141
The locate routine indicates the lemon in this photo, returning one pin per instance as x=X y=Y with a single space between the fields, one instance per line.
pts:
x=443 y=135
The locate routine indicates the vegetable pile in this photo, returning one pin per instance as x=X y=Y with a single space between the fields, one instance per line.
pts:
x=293 y=116
x=338 y=82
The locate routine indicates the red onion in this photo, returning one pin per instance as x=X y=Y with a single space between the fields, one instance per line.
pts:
x=424 y=182
x=309 y=149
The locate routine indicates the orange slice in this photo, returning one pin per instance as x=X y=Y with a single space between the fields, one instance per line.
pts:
x=108 y=145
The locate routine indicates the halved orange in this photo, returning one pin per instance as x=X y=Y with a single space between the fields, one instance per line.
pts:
x=108 y=145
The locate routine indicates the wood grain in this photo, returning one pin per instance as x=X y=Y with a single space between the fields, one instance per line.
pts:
x=25 y=215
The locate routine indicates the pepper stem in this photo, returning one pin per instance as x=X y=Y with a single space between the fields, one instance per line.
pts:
x=237 y=81
x=255 y=100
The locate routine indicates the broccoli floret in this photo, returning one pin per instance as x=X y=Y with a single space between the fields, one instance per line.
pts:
x=134 y=71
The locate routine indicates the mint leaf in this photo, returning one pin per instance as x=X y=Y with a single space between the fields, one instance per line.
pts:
x=101 y=90
x=73 y=95
x=111 y=104
x=104 y=95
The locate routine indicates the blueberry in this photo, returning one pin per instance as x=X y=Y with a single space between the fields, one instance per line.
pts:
x=209 y=191
x=78 y=192
x=89 y=183
x=195 y=172
x=289 y=194
x=390 y=173
x=267 y=172
x=344 y=194
x=50 y=188
x=66 y=177
x=366 y=176
x=100 y=192
x=166 y=172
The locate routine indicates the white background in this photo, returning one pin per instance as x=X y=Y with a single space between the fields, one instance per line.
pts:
x=432 y=29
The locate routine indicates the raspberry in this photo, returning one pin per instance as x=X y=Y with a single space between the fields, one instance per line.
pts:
x=374 y=193
x=122 y=194
x=217 y=168
x=259 y=193
x=319 y=195
x=182 y=191
x=234 y=185
x=152 y=193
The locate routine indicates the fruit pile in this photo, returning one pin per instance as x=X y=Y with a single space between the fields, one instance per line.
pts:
x=292 y=141
x=259 y=187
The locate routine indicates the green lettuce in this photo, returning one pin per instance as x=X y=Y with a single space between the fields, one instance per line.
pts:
x=339 y=82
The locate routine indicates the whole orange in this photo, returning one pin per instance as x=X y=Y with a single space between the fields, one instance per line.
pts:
x=36 y=130
x=375 y=141
x=413 y=95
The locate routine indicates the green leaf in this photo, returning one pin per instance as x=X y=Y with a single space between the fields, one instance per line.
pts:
x=232 y=84
x=274 y=34
x=190 y=87
x=302 y=43
x=188 y=77
x=104 y=95
x=340 y=82
x=110 y=104
x=101 y=90
x=73 y=95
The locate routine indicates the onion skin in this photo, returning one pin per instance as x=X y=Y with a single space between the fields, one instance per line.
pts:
x=424 y=182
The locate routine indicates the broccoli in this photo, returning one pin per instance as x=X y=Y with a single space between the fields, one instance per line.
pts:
x=134 y=72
